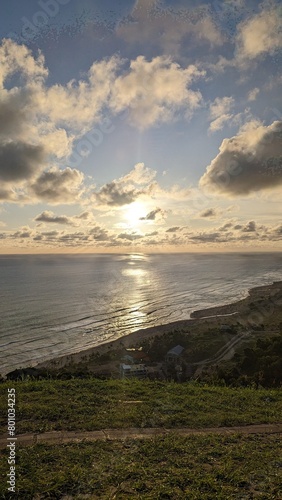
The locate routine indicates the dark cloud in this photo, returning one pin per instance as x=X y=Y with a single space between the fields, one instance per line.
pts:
x=98 y=233
x=250 y=227
x=7 y=195
x=248 y=162
x=58 y=186
x=23 y=233
x=20 y=161
x=226 y=226
x=209 y=213
x=13 y=112
x=50 y=233
x=130 y=237
x=278 y=230
x=154 y=214
x=211 y=237
x=84 y=215
x=126 y=189
x=153 y=233
x=113 y=194
x=47 y=216
x=173 y=229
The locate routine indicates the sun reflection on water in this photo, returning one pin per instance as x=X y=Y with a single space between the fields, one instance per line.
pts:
x=138 y=280
x=136 y=272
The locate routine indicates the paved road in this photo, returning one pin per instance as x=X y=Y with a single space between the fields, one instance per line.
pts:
x=59 y=437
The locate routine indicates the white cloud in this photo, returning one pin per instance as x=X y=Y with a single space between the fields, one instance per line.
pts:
x=220 y=106
x=252 y=95
x=153 y=91
x=139 y=175
x=260 y=34
x=80 y=103
x=18 y=58
x=219 y=112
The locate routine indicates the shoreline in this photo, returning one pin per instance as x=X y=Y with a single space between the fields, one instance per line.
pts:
x=259 y=301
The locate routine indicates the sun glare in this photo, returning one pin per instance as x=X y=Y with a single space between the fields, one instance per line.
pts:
x=134 y=212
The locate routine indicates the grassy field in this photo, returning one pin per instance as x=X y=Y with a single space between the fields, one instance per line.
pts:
x=91 y=404
x=170 y=467
x=197 y=467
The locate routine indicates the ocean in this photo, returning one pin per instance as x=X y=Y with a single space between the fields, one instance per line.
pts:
x=59 y=304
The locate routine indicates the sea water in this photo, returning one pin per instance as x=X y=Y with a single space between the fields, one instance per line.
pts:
x=59 y=304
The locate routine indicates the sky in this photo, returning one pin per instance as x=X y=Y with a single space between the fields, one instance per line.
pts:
x=140 y=126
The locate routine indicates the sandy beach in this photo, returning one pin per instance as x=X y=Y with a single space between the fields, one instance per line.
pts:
x=257 y=307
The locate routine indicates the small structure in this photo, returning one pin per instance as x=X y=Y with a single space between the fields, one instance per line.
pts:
x=174 y=355
x=129 y=371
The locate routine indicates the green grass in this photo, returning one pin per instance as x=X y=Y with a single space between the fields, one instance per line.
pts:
x=91 y=404
x=195 y=468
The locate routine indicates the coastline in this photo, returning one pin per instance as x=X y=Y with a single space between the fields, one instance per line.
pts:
x=259 y=303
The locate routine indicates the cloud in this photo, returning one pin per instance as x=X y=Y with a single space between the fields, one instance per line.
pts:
x=81 y=102
x=209 y=213
x=99 y=233
x=126 y=189
x=231 y=233
x=23 y=233
x=18 y=58
x=250 y=227
x=116 y=195
x=7 y=195
x=219 y=112
x=14 y=109
x=252 y=95
x=86 y=215
x=260 y=34
x=154 y=91
x=130 y=236
x=168 y=28
x=50 y=217
x=226 y=227
x=249 y=162
x=20 y=161
x=40 y=124
x=173 y=229
x=58 y=186
x=139 y=175
x=220 y=106
x=156 y=214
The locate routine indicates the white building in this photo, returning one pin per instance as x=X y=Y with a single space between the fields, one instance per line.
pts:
x=129 y=371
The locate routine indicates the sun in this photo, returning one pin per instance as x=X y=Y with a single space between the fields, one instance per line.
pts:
x=134 y=212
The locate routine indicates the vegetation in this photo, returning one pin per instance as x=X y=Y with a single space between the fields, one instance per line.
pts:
x=259 y=365
x=201 y=344
x=91 y=404
x=172 y=467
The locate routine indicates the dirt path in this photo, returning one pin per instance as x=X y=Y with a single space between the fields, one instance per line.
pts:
x=59 y=437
